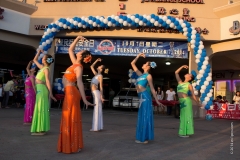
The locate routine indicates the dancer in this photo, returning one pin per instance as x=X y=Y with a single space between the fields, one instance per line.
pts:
x=97 y=123
x=30 y=95
x=41 y=117
x=145 y=126
x=70 y=138
x=186 y=114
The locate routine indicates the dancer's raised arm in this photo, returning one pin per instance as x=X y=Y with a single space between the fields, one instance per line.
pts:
x=28 y=68
x=72 y=47
x=133 y=63
x=177 y=73
x=35 y=60
x=94 y=63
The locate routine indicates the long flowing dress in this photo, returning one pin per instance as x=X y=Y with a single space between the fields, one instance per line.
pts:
x=97 y=122
x=41 y=117
x=70 y=137
x=145 y=124
x=186 y=114
x=30 y=97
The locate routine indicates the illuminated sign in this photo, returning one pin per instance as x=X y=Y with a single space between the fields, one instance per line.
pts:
x=175 y=1
x=235 y=29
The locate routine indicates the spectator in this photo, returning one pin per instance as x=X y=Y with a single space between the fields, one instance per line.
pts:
x=170 y=96
x=225 y=100
x=236 y=98
x=9 y=87
x=159 y=93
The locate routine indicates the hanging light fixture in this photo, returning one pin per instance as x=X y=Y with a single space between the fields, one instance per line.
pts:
x=168 y=63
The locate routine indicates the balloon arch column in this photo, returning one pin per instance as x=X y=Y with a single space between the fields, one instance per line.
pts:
x=203 y=80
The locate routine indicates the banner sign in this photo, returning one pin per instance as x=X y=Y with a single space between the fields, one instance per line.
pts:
x=113 y=47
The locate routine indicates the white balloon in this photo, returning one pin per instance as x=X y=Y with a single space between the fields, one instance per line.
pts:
x=41 y=56
x=199 y=51
x=185 y=29
x=112 y=16
x=71 y=20
x=97 y=17
x=114 y=25
x=168 y=21
x=86 y=19
x=185 y=33
x=205 y=62
x=44 y=44
x=94 y=24
x=90 y=22
x=193 y=37
x=144 y=24
x=152 y=20
x=133 y=80
x=164 y=18
x=144 y=15
x=128 y=15
x=105 y=21
x=130 y=80
x=192 y=46
x=56 y=22
x=209 y=94
x=180 y=21
x=198 y=82
x=204 y=103
x=136 y=20
x=211 y=90
x=109 y=24
x=198 y=56
x=172 y=25
x=60 y=24
x=197 y=60
x=59 y=84
x=48 y=41
x=125 y=23
x=204 y=67
x=159 y=25
x=40 y=47
x=206 y=83
x=201 y=71
x=84 y=26
x=54 y=29
x=210 y=74
x=130 y=74
x=69 y=27
x=140 y=23
x=120 y=20
x=129 y=25
x=65 y=26
x=202 y=91
x=156 y=23
x=196 y=93
x=200 y=42
x=160 y=16
x=130 y=71
x=199 y=76
x=194 y=31
x=209 y=79
x=59 y=88
x=206 y=99
x=101 y=19
x=63 y=89
x=192 y=41
x=148 y=17
x=206 y=58
x=201 y=46
x=79 y=25
x=116 y=18
x=183 y=24
x=132 y=18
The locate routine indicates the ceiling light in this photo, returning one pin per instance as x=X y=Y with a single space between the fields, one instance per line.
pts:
x=85 y=75
x=168 y=63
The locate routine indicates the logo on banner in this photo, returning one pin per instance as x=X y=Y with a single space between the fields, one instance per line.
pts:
x=106 y=47
x=235 y=29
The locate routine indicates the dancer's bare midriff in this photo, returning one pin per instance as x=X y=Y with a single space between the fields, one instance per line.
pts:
x=67 y=83
x=37 y=81
x=140 y=88
x=93 y=87
x=182 y=95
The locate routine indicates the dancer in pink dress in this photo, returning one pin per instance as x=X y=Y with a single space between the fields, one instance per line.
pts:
x=30 y=95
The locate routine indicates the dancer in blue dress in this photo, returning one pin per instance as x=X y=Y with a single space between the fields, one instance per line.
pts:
x=145 y=125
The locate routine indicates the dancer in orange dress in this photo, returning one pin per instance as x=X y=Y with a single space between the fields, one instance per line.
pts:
x=70 y=137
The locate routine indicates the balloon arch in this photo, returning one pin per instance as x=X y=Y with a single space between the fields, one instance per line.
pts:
x=203 y=80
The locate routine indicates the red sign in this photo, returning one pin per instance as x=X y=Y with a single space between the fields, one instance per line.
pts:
x=226 y=111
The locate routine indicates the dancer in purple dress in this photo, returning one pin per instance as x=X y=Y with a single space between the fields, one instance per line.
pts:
x=30 y=95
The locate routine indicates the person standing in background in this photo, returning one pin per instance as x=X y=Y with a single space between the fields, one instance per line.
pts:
x=170 y=96
x=111 y=96
x=9 y=86
x=159 y=93
x=236 y=98
x=1 y=94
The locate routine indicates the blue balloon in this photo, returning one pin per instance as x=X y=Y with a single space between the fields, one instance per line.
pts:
x=173 y=19
x=94 y=19
x=90 y=17
x=148 y=23
x=189 y=30
x=176 y=23
x=152 y=15
x=188 y=25
x=113 y=21
x=208 y=116
x=204 y=54
x=169 y=17
x=64 y=21
x=179 y=27
x=109 y=19
x=156 y=18
x=160 y=21
x=83 y=22
x=137 y=15
x=189 y=35
x=145 y=20
x=140 y=18
x=124 y=18
x=202 y=59
x=189 y=39
x=129 y=20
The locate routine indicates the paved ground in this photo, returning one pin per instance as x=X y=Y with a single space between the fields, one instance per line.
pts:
x=211 y=140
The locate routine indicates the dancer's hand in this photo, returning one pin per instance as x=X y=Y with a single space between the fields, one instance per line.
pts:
x=185 y=66
x=53 y=98
x=98 y=60
x=88 y=104
x=102 y=99
x=81 y=38
x=141 y=55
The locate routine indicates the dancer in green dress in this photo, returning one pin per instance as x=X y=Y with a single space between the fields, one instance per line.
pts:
x=41 y=117
x=186 y=114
